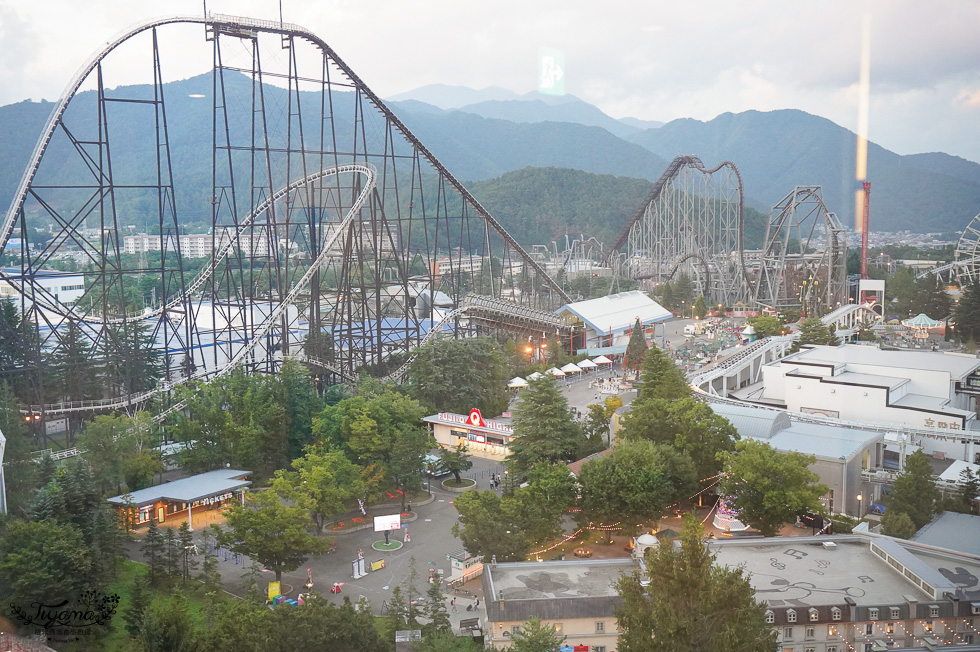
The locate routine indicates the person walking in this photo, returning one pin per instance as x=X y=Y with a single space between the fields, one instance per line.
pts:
x=453 y=603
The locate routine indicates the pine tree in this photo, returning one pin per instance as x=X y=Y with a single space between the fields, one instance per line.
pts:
x=636 y=349
x=397 y=612
x=154 y=552
x=73 y=366
x=661 y=378
x=173 y=553
x=969 y=489
x=139 y=600
x=185 y=543
x=544 y=428
x=435 y=610
x=700 y=307
x=690 y=603
x=914 y=491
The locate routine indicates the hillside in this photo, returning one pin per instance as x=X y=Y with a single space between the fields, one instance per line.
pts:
x=780 y=149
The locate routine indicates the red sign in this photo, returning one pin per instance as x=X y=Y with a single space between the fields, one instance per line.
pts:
x=476 y=419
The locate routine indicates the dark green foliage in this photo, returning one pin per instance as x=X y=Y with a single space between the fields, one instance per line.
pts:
x=914 y=491
x=275 y=534
x=814 y=331
x=107 y=542
x=455 y=460
x=634 y=483
x=636 y=349
x=536 y=636
x=447 y=641
x=770 y=487
x=167 y=627
x=435 y=610
x=21 y=474
x=489 y=526
x=74 y=371
x=317 y=625
x=969 y=490
x=185 y=539
x=683 y=294
x=898 y=524
x=690 y=426
x=139 y=601
x=690 y=603
x=459 y=375
x=42 y=560
x=661 y=378
x=967 y=313
x=700 y=307
x=397 y=610
x=543 y=426
x=154 y=549
x=766 y=326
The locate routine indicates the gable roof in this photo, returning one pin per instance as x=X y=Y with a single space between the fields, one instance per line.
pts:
x=617 y=312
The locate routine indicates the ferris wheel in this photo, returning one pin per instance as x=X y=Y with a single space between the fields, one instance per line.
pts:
x=966 y=258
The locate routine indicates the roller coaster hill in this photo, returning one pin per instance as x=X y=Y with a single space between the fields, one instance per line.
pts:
x=692 y=222
x=333 y=235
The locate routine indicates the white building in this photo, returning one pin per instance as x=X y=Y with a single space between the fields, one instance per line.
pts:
x=919 y=389
x=608 y=321
x=841 y=453
x=201 y=245
x=65 y=287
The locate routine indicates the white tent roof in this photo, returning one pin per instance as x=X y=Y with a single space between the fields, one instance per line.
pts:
x=555 y=371
x=517 y=381
x=617 y=313
x=535 y=375
x=587 y=364
x=602 y=360
x=571 y=368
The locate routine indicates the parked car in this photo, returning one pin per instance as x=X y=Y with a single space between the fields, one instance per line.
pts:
x=434 y=466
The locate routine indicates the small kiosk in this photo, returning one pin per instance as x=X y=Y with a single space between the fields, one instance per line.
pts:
x=180 y=499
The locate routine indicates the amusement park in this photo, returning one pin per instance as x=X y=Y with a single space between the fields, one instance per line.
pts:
x=321 y=390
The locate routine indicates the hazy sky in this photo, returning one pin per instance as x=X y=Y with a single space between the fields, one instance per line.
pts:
x=648 y=59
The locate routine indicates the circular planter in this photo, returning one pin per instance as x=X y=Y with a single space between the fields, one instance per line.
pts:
x=459 y=490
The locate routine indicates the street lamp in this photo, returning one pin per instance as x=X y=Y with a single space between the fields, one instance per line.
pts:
x=859 y=498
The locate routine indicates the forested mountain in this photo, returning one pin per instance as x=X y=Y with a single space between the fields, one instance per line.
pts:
x=774 y=151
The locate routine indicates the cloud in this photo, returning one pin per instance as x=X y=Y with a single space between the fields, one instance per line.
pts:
x=967 y=99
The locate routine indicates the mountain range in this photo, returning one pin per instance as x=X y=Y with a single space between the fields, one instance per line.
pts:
x=482 y=135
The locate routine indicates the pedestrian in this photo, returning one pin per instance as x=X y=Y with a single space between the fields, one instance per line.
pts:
x=453 y=603
x=476 y=603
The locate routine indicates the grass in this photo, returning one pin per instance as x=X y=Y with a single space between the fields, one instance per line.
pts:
x=118 y=639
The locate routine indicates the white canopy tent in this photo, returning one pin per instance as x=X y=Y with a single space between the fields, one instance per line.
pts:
x=555 y=371
x=535 y=375
x=516 y=383
x=587 y=364
x=571 y=368
x=602 y=360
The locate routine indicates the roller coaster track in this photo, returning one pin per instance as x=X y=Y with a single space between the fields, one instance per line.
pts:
x=126 y=401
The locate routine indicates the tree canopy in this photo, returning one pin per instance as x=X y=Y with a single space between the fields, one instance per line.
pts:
x=543 y=427
x=462 y=374
x=636 y=349
x=914 y=491
x=690 y=603
x=769 y=487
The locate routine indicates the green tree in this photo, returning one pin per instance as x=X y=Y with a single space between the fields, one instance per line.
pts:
x=690 y=426
x=683 y=290
x=462 y=374
x=535 y=636
x=898 y=524
x=700 y=308
x=74 y=368
x=446 y=641
x=542 y=504
x=154 y=549
x=766 y=326
x=543 y=427
x=397 y=610
x=661 y=378
x=40 y=561
x=967 y=313
x=639 y=479
x=167 y=626
x=814 y=331
x=770 y=487
x=690 y=603
x=435 y=610
x=914 y=491
x=596 y=426
x=489 y=526
x=328 y=479
x=297 y=393
x=185 y=542
x=636 y=349
x=101 y=438
x=22 y=473
x=139 y=602
x=969 y=490
x=455 y=460
x=273 y=533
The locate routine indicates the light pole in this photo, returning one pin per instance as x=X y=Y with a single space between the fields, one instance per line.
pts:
x=859 y=498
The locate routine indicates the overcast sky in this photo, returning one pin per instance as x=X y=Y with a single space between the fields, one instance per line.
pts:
x=647 y=59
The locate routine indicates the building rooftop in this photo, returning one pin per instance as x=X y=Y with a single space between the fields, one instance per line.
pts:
x=775 y=427
x=189 y=489
x=791 y=572
x=960 y=532
x=553 y=590
x=617 y=312
x=957 y=365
